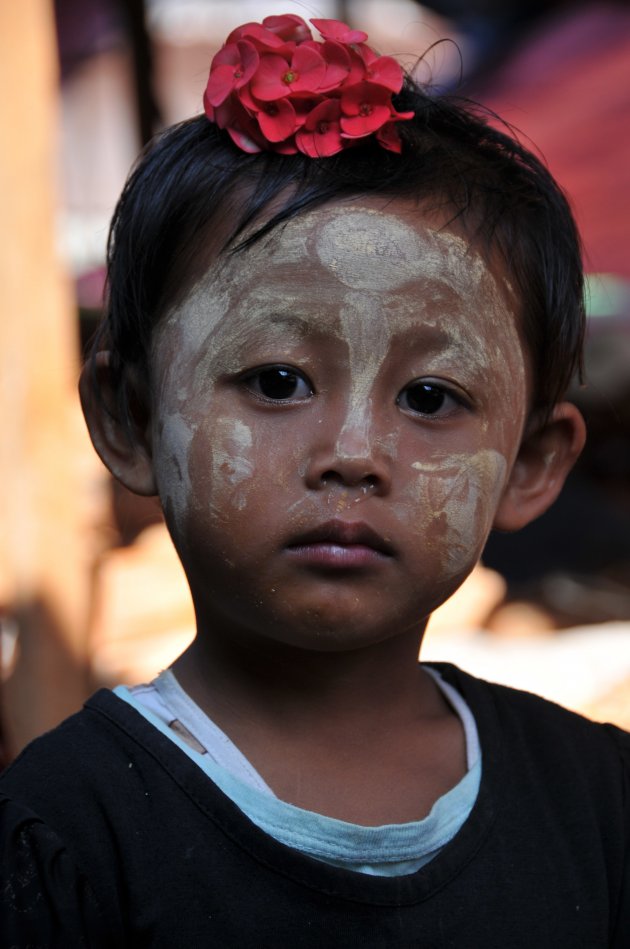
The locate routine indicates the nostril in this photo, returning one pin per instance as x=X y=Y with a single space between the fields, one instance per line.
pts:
x=362 y=474
x=364 y=481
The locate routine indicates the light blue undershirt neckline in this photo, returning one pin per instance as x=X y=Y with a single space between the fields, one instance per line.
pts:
x=387 y=850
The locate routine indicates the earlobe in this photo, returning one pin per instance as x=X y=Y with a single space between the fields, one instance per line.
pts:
x=545 y=458
x=124 y=445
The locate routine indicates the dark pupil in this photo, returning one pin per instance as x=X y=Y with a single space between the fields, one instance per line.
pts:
x=277 y=383
x=425 y=398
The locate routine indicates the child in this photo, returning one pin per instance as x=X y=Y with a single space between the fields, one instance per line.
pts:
x=341 y=320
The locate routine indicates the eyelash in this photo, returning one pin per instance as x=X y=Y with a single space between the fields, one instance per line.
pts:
x=284 y=375
x=283 y=378
x=430 y=390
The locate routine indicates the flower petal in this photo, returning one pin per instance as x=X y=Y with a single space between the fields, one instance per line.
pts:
x=402 y=116
x=244 y=130
x=303 y=105
x=364 y=96
x=309 y=67
x=277 y=120
x=357 y=126
x=367 y=54
x=327 y=111
x=232 y=67
x=337 y=61
x=289 y=26
x=321 y=135
x=243 y=141
x=258 y=35
x=220 y=84
x=389 y=138
x=341 y=32
x=268 y=83
x=386 y=72
x=285 y=148
x=358 y=68
x=365 y=108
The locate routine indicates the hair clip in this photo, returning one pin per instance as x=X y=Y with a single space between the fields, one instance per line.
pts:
x=272 y=87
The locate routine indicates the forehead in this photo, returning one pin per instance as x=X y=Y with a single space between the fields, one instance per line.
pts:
x=375 y=248
x=381 y=268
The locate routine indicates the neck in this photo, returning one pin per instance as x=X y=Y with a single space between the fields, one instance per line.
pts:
x=295 y=689
x=321 y=727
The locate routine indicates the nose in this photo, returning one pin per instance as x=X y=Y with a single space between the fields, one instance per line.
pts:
x=350 y=455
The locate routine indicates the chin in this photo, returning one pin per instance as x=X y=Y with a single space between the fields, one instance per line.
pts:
x=325 y=635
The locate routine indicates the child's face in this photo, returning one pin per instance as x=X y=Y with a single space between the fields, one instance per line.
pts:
x=336 y=412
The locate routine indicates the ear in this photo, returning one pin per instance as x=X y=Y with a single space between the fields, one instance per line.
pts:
x=124 y=445
x=545 y=458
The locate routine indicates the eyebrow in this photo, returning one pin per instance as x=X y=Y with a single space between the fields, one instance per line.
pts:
x=291 y=321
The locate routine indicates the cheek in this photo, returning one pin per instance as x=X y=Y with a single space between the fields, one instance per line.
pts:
x=204 y=464
x=221 y=468
x=172 y=447
x=230 y=465
x=453 y=504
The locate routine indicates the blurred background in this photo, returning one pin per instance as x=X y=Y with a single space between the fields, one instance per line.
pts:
x=91 y=592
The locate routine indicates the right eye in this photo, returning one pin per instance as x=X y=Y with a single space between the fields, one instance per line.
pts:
x=278 y=384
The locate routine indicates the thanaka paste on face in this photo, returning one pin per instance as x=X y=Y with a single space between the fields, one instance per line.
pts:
x=372 y=253
x=230 y=462
x=371 y=257
x=455 y=491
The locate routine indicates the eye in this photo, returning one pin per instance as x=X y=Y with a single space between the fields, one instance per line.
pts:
x=278 y=384
x=427 y=398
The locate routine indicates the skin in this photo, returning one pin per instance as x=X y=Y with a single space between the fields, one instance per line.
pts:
x=286 y=647
x=404 y=422
x=385 y=301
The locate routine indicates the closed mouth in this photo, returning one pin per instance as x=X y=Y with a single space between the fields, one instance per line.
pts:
x=347 y=534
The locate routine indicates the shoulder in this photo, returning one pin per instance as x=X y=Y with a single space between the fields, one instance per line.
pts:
x=48 y=895
x=541 y=728
x=75 y=821
x=90 y=771
x=102 y=760
x=81 y=747
x=564 y=783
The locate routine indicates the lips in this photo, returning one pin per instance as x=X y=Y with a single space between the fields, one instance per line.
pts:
x=341 y=544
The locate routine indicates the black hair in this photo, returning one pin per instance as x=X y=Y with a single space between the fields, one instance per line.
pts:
x=193 y=182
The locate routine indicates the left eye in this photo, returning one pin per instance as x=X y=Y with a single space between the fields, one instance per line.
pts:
x=279 y=384
x=426 y=398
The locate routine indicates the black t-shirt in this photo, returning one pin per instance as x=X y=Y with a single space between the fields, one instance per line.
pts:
x=111 y=836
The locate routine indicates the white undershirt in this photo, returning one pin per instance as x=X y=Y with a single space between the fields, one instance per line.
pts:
x=389 y=850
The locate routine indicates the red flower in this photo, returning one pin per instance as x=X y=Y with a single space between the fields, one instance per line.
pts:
x=338 y=64
x=288 y=27
x=385 y=71
x=232 y=67
x=357 y=67
x=277 y=120
x=242 y=128
x=340 y=32
x=320 y=135
x=273 y=87
x=264 y=40
x=277 y=78
x=389 y=138
x=366 y=107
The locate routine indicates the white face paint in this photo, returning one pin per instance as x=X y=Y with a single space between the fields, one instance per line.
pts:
x=374 y=255
x=455 y=491
x=360 y=302
x=230 y=462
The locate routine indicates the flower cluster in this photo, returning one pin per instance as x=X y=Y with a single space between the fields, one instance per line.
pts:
x=274 y=88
